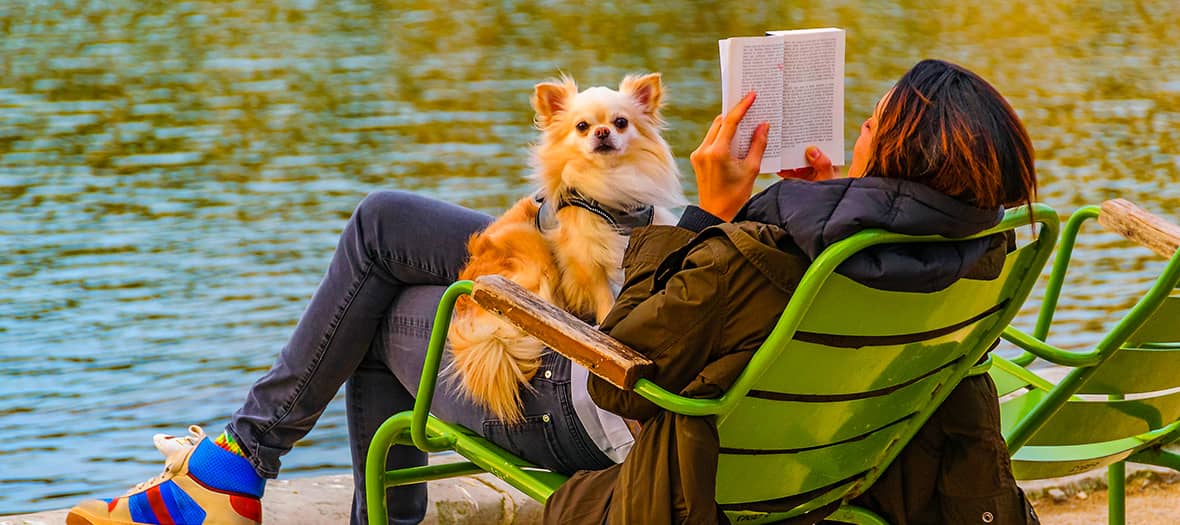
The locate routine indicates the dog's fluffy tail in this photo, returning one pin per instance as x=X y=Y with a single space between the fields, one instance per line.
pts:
x=492 y=360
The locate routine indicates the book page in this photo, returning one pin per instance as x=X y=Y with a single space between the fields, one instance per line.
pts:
x=755 y=64
x=813 y=95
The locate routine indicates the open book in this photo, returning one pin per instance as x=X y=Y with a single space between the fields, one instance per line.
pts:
x=799 y=78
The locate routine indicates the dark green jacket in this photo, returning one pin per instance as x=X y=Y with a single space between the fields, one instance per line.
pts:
x=699 y=305
x=718 y=294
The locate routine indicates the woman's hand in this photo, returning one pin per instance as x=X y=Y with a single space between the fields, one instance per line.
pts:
x=724 y=182
x=820 y=168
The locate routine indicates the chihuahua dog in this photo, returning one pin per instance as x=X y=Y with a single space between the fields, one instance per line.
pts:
x=602 y=169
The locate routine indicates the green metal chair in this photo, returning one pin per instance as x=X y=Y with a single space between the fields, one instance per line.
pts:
x=843 y=382
x=1120 y=401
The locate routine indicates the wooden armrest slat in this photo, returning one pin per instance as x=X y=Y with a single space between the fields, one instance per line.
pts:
x=602 y=355
x=1149 y=230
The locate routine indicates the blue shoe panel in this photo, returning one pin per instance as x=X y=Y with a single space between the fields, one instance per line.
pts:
x=183 y=509
x=222 y=470
x=141 y=509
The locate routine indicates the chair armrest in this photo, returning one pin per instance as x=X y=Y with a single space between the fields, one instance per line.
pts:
x=604 y=356
x=1048 y=352
x=1125 y=218
x=1020 y=374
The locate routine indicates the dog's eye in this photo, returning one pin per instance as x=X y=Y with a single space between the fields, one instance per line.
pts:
x=583 y=126
x=621 y=123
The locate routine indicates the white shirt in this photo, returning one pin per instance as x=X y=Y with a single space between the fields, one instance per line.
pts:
x=608 y=430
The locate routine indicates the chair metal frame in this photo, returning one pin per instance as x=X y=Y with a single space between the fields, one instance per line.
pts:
x=429 y=434
x=1011 y=374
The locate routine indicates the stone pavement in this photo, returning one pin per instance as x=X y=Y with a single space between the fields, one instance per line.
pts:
x=485 y=499
x=324 y=500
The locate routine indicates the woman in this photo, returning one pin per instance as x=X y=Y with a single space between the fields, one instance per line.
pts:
x=942 y=154
x=369 y=320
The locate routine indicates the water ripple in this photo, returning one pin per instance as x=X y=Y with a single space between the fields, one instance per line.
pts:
x=174 y=175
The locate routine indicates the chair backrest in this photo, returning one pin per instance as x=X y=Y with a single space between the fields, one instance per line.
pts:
x=850 y=373
x=1124 y=393
x=1148 y=362
x=1131 y=392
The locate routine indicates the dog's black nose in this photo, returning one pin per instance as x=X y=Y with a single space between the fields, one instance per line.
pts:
x=602 y=133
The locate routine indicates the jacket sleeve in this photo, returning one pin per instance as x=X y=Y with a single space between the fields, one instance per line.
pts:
x=647 y=249
x=675 y=326
x=696 y=219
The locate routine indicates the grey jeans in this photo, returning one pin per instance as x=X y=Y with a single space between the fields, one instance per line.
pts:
x=368 y=324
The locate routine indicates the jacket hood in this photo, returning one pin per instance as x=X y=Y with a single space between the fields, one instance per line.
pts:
x=817 y=214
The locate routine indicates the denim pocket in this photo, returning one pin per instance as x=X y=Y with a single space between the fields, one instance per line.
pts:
x=532 y=439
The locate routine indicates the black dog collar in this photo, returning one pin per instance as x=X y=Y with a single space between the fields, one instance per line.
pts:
x=623 y=220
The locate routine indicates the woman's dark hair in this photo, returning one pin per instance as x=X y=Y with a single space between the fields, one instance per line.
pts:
x=947 y=128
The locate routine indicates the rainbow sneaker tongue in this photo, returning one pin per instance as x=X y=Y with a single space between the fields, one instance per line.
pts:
x=201 y=483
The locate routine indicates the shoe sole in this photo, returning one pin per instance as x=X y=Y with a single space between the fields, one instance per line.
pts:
x=81 y=518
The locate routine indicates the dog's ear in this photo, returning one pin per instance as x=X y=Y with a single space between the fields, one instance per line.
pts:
x=646 y=90
x=550 y=98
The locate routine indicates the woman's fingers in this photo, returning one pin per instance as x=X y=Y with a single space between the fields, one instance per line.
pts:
x=753 y=160
x=821 y=163
x=818 y=160
x=820 y=167
x=807 y=173
x=711 y=135
x=729 y=125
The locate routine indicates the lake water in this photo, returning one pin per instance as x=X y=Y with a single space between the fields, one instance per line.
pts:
x=173 y=174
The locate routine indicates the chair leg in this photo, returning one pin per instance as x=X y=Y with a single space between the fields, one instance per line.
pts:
x=375 y=489
x=1116 y=490
x=856 y=516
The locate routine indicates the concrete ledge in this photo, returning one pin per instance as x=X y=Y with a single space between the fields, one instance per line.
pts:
x=1079 y=485
x=485 y=499
x=482 y=499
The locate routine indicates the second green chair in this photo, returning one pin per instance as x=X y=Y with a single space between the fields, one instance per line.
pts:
x=1119 y=401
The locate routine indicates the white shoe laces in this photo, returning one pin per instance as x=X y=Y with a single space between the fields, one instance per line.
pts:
x=175 y=450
